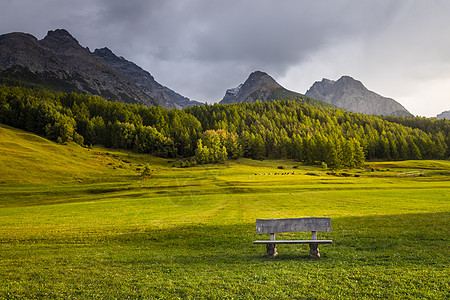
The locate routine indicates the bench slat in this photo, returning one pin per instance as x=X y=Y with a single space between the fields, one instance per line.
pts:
x=295 y=242
x=292 y=224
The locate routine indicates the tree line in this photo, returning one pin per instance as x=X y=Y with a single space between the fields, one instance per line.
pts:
x=215 y=133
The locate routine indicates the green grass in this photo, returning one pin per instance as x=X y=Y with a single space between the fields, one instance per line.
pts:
x=82 y=223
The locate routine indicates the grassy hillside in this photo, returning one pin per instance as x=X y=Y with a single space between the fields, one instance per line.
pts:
x=83 y=223
x=26 y=157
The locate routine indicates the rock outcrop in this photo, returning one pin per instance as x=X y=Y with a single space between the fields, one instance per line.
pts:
x=59 y=62
x=351 y=95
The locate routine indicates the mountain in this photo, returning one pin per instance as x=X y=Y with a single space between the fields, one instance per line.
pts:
x=144 y=80
x=350 y=94
x=59 y=62
x=444 y=115
x=262 y=87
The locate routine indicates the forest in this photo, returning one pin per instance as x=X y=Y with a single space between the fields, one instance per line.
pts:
x=216 y=133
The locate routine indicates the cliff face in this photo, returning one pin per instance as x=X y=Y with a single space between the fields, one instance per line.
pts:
x=350 y=94
x=60 y=62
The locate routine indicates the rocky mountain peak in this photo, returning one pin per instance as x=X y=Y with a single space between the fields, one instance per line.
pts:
x=60 y=33
x=350 y=94
x=60 y=40
x=346 y=78
x=59 y=62
x=348 y=82
x=259 y=86
x=257 y=74
x=260 y=78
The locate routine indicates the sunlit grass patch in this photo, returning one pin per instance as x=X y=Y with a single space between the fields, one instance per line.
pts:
x=188 y=233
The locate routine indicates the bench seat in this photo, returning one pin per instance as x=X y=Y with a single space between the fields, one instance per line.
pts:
x=273 y=226
x=295 y=242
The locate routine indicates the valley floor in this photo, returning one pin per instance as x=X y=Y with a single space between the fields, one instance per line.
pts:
x=83 y=223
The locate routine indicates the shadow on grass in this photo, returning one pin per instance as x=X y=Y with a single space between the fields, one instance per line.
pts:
x=398 y=256
x=418 y=239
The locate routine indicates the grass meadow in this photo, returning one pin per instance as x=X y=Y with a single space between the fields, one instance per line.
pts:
x=84 y=224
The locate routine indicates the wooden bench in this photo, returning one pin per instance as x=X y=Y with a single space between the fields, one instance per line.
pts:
x=273 y=226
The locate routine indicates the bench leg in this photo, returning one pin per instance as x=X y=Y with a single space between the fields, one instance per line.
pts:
x=314 y=250
x=271 y=250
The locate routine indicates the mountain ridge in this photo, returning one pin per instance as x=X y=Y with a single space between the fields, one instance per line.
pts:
x=260 y=86
x=144 y=80
x=60 y=62
x=351 y=95
x=444 y=115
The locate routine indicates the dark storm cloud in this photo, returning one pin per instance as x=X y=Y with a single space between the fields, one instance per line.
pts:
x=261 y=33
x=202 y=47
x=219 y=43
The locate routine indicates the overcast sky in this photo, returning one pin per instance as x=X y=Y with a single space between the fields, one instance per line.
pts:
x=200 y=48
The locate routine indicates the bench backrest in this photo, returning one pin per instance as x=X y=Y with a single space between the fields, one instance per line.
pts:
x=292 y=224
